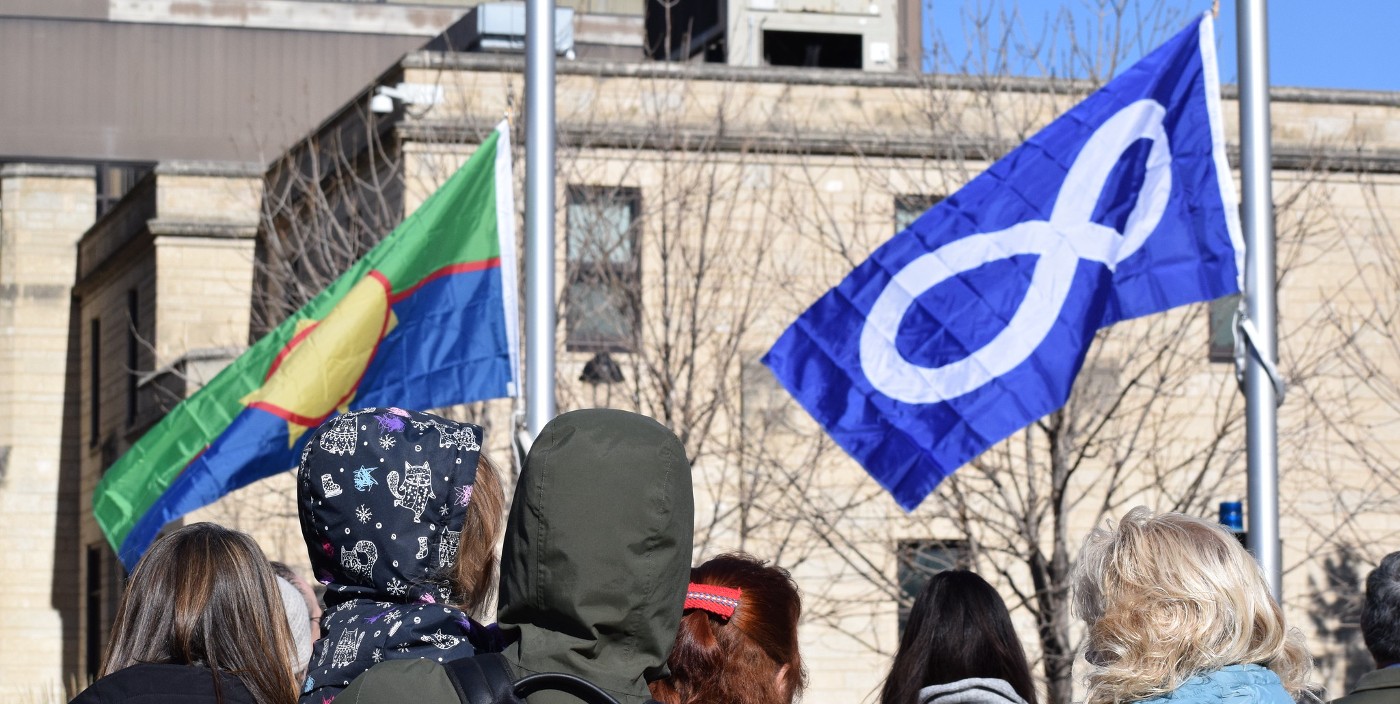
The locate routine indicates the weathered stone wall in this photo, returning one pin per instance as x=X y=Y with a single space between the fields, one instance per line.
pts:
x=44 y=209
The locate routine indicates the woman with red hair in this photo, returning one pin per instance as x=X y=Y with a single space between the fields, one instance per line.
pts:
x=737 y=642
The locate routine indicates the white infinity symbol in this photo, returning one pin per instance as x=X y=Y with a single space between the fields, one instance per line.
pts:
x=1058 y=244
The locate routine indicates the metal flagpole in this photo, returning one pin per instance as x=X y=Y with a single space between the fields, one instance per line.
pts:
x=1262 y=386
x=539 y=215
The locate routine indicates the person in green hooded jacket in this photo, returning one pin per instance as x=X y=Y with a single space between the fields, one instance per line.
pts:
x=1380 y=628
x=595 y=566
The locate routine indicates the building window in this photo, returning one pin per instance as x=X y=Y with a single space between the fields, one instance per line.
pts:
x=133 y=354
x=114 y=181
x=103 y=584
x=1222 y=327
x=908 y=208
x=812 y=49
x=94 y=380
x=93 y=591
x=602 y=304
x=918 y=561
x=114 y=585
x=766 y=404
x=678 y=31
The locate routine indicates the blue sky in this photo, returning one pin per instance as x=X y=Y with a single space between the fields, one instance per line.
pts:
x=1334 y=44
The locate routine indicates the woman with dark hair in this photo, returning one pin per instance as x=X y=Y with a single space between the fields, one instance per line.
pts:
x=959 y=646
x=200 y=621
x=737 y=642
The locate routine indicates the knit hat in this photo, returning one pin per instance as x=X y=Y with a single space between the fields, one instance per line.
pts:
x=299 y=619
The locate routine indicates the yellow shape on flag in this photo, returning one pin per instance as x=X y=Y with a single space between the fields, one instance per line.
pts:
x=318 y=371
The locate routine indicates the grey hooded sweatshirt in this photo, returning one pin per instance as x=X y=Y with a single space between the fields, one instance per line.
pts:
x=597 y=553
x=976 y=690
x=595 y=567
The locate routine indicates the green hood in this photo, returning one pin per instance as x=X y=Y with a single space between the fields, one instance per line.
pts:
x=597 y=553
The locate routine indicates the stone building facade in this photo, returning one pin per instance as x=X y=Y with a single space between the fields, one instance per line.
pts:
x=44 y=210
x=700 y=209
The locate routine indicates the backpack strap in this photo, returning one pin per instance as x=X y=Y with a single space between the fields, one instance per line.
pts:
x=489 y=679
x=566 y=683
x=482 y=679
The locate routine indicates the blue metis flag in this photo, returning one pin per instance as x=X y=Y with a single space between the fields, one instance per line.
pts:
x=973 y=322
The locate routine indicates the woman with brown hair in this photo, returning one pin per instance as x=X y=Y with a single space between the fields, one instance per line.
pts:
x=737 y=642
x=200 y=621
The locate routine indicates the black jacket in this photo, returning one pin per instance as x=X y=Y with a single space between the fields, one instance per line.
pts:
x=164 y=684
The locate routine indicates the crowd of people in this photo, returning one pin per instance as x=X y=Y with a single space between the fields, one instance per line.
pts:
x=402 y=513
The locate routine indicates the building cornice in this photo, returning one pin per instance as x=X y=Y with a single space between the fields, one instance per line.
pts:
x=341 y=17
x=809 y=143
x=24 y=169
x=508 y=63
x=231 y=230
x=220 y=169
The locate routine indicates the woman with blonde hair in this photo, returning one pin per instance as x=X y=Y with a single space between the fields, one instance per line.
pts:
x=200 y=621
x=1178 y=611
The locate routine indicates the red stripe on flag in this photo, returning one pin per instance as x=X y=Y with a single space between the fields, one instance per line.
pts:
x=287 y=349
x=448 y=270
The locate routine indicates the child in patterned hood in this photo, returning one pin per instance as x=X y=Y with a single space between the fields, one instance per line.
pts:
x=401 y=513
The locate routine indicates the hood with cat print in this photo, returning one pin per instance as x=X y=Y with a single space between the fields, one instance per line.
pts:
x=382 y=495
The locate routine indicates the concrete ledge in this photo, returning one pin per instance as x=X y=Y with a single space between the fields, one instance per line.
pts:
x=344 y=17
x=24 y=169
x=223 y=169
x=198 y=354
x=213 y=230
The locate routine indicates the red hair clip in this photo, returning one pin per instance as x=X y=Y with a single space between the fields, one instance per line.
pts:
x=720 y=601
